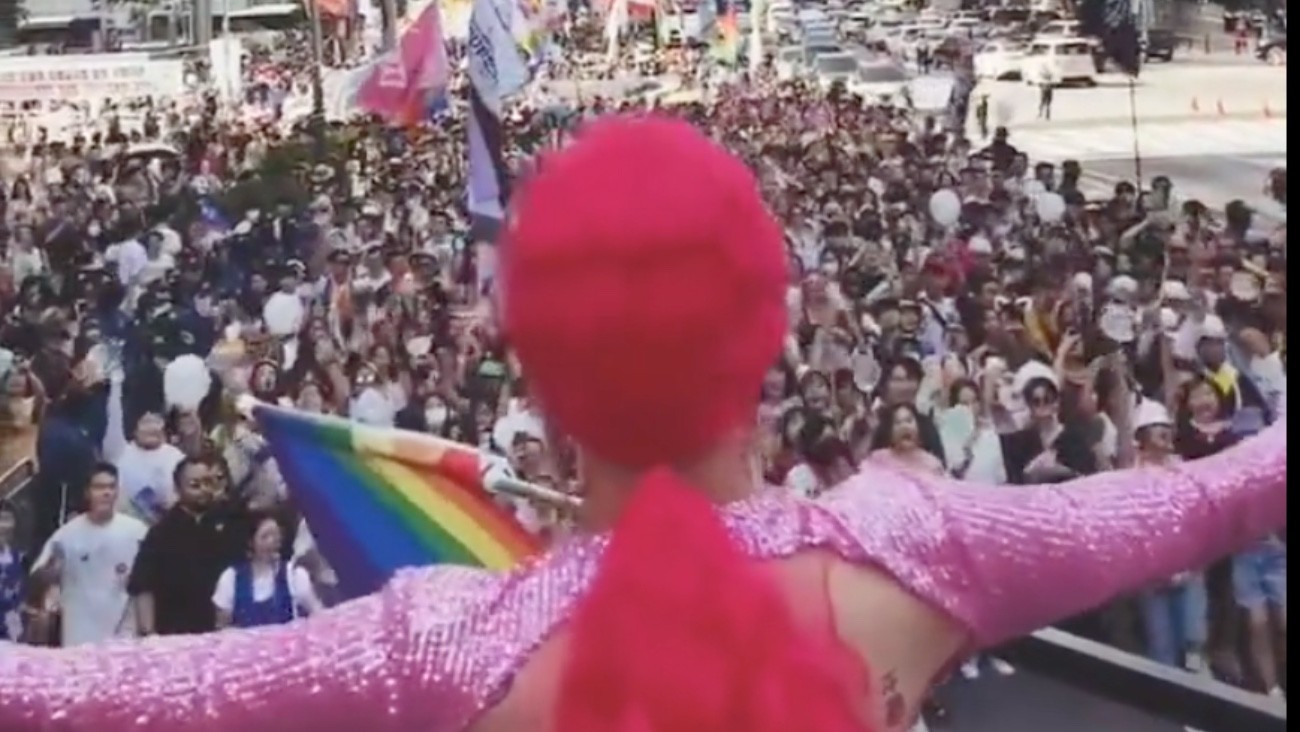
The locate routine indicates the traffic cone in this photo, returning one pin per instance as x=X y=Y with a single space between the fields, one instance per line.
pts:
x=1196 y=105
x=1219 y=106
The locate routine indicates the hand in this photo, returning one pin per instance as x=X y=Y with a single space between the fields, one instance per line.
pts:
x=1046 y=463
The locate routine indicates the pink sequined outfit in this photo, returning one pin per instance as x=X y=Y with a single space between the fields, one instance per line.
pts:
x=441 y=645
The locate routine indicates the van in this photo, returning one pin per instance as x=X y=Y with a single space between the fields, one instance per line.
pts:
x=1060 y=61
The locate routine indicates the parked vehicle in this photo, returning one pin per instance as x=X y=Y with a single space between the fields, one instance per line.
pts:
x=788 y=62
x=1059 y=29
x=999 y=60
x=1160 y=45
x=833 y=68
x=1272 y=48
x=812 y=53
x=880 y=82
x=1059 y=61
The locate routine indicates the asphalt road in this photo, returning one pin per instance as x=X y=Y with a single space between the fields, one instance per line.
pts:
x=1025 y=702
x=1212 y=179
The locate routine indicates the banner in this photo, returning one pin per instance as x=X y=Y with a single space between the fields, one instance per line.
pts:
x=497 y=69
x=90 y=77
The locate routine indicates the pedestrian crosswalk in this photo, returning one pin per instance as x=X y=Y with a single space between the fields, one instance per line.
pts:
x=1066 y=141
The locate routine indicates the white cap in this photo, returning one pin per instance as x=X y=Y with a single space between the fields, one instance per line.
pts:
x=1083 y=281
x=980 y=245
x=1122 y=286
x=1212 y=327
x=1151 y=413
x=1175 y=290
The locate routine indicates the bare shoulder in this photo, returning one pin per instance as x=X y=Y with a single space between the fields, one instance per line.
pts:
x=905 y=641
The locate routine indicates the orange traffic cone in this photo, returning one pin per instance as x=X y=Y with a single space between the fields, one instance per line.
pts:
x=1196 y=105
x=1219 y=106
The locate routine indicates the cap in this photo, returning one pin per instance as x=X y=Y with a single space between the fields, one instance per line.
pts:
x=1122 y=286
x=1151 y=413
x=1213 y=327
x=1175 y=291
x=980 y=245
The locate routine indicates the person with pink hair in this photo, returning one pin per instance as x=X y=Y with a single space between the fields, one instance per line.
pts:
x=643 y=290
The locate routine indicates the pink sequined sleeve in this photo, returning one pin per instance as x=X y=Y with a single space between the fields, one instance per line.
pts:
x=1007 y=560
x=342 y=670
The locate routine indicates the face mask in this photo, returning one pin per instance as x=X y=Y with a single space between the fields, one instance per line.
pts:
x=435 y=416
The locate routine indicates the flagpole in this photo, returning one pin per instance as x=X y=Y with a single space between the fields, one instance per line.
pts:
x=1133 y=122
x=757 y=10
x=389 y=9
x=317 y=82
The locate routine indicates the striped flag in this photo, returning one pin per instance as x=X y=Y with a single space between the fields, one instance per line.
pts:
x=497 y=69
x=380 y=499
x=726 y=44
x=402 y=84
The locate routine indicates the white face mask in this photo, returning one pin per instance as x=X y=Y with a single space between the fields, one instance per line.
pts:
x=436 y=417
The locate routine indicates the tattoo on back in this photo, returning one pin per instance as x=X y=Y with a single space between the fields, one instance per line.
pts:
x=895 y=704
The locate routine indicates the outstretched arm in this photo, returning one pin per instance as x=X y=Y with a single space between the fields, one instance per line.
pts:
x=1006 y=560
x=335 y=671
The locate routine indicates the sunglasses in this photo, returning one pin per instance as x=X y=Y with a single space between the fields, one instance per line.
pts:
x=1042 y=400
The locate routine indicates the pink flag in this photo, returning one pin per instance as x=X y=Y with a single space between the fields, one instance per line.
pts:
x=403 y=82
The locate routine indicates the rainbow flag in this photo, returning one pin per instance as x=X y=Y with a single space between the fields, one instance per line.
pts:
x=401 y=85
x=726 y=46
x=380 y=499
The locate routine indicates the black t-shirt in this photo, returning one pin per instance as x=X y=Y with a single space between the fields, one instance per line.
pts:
x=1194 y=444
x=1073 y=450
x=179 y=563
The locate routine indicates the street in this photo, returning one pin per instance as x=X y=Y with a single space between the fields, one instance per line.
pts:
x=1214 y=124
x=1025 y=702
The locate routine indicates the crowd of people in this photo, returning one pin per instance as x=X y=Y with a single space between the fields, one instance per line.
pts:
x=1028 y=335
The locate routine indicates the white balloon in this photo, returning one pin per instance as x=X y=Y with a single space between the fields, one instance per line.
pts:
x=282 y=314
x=945 y=207
x=186 y=382
x=1050 y=206
x=1033 y=188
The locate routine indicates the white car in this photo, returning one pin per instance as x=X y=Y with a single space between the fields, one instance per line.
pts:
x=1059 y=29
x=815 y=51
x=964 y=27
x=999 y=60
x=831 y=68
x=879 y=82
x=1055 y=61
x=788 y=62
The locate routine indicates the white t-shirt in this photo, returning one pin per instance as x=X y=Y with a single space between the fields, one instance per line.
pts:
x=803 y=481
x=97 y=561
x=264 y=587
x=145 y=482
x=131 y=258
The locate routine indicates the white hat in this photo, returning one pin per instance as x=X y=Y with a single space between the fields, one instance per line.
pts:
x=1175 y=290
x=1213 y=327
x=980 y=245
x=1122 y=286
x=1151 y=413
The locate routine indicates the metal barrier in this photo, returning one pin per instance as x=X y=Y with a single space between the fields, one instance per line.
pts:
x=1183 y=698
